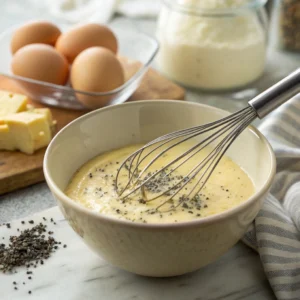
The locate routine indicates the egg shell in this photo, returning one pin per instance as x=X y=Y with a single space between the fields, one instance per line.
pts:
x=34 y=32
x=96 y=69
x=79 y=38
x=40 y=62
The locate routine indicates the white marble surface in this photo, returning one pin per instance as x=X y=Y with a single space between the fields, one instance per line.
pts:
x=75 y=273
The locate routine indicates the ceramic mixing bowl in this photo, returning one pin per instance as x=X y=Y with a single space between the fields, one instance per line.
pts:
x=154 y=249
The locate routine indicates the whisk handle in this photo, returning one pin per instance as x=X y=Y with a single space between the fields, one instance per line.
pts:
x=277 y=94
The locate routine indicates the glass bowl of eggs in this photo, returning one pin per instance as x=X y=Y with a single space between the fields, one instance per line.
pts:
x=85 y=67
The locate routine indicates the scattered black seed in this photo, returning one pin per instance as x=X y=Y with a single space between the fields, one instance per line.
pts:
x=65 y=246
x=29 y=292
x=16 y=288
x=205 y=206
x=8 y=225
x=91 y=175
x=22 y=222
x=14 y=283
x=31 y=245
x=31 y=222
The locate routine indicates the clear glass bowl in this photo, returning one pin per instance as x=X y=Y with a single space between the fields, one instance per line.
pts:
x=135 y=46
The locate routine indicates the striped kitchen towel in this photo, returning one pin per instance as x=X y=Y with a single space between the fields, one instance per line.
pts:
x=275 y=233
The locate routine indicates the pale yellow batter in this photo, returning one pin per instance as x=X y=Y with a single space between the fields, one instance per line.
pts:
x=93 y=186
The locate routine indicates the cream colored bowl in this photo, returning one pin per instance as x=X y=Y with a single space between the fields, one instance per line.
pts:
x=153 y=249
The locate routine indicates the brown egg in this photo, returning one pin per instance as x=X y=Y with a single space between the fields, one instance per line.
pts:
x=34 y=32
x=74 y=41
x=41 y=62
x=96 y=69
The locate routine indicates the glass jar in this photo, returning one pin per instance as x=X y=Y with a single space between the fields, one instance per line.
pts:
x=211 y=44
x=286 y=24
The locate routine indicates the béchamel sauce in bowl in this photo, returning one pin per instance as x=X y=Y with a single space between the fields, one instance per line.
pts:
x=154 y=248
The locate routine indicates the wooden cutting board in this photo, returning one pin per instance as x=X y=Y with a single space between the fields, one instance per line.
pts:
x=19 y=170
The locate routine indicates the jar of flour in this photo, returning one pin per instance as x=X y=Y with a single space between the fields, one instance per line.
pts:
x=212 y=44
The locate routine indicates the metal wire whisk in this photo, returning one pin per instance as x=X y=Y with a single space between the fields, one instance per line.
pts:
x=217 y=135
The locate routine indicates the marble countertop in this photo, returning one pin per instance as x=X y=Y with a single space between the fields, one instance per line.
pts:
x=237 y=275
x=75 y=273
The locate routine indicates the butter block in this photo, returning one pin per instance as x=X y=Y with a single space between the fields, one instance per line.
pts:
x=11 y=103
x=48 y=115
x=5 y=138
x=28 y=131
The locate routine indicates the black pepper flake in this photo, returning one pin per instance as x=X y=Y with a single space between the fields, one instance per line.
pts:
x=205 y=206
x=8 y=225
x=184 y=205
x=29 y=292
x=26 y=249
x=22 y=222
x=31 y=222
x=91 y=175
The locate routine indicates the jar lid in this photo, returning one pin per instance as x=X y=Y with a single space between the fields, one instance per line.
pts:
x=214 y=6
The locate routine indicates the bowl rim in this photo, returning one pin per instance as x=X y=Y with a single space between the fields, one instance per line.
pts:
x=202 y=221
x=144 y=66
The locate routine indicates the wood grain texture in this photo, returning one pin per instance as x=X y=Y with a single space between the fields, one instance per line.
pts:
x=18 y=170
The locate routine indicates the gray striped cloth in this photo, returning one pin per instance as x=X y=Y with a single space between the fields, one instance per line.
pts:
x=275 y=233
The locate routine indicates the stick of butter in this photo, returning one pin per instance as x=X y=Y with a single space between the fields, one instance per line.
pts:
x=27 y=131
x=23 y=127
x=11 y=103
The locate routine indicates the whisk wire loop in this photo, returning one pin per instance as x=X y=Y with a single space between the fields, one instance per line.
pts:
x=227 y=129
